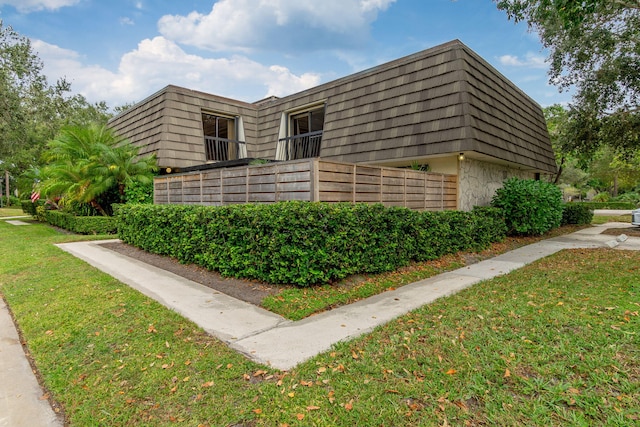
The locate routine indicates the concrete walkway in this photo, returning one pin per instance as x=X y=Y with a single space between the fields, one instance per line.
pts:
x=21 y=399
x=15 y=220
x=270 y=339
x=262 y=336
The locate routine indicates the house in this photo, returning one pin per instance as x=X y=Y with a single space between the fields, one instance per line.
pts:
x=445 y=109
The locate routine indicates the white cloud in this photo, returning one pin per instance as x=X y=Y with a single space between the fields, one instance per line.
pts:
x=34 y=5
x=287 y=25
x=126 y=21
x=530 y=60
x=158 y=62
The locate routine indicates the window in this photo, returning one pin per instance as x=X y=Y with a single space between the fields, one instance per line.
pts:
x=307 y=122
x=220 y=136
x=304 y=135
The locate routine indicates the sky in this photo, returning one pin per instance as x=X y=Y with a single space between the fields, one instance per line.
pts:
x=121 y=51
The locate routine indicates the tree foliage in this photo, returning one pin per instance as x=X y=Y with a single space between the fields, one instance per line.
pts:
x=32 y=110
x=86 y=162
x=594 y=47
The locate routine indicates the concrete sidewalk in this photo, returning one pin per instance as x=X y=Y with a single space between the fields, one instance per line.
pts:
x=22 y=403
x=261 y=335
x=270 y=339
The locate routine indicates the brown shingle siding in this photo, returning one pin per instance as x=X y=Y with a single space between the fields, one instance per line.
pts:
x=443 y=100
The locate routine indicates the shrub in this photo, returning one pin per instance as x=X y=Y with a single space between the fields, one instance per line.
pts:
x=601 y=197
x=530 y=207
x=137 y=192
x=29 y=207
x=607 y=205
x=301 y=242
x=576 y=213
x=78 y=224
x=631 y=197
x=13 y=199
x=490 y=225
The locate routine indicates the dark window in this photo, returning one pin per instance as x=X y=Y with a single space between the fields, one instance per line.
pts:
x=307 y=122
x=219 y=136
x=305 y=134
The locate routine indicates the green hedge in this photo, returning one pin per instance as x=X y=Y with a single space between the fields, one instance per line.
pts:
x=576 y=213
x=78 y=224
x=301 y=242
x=530 y=207
x=607 y=205
x=13 y=199
x=29 y=207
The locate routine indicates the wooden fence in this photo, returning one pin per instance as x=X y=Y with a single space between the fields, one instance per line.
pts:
x=311 y=180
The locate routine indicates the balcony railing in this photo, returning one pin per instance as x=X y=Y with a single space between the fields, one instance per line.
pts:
x=301 y=146
x=220 y=149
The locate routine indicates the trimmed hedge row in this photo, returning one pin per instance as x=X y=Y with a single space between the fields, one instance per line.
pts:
x=78 y=224
x=607 y=205
x=576 y=213
x=304 y=243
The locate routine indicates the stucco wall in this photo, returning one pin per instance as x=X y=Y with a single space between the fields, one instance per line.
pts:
x=478 y=182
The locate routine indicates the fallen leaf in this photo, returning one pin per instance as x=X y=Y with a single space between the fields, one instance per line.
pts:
x=451 y=372
x=507 y=373
x=257 y=411
x=208 y=384
x=300 y=417
x=292 y=394
x=348 y=406
x=312 y=408
x=461 y=405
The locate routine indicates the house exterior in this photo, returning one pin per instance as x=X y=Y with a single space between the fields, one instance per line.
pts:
x=444 y=107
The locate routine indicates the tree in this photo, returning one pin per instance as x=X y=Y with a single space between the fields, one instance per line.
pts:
x=594 y=47
x=86 y=162
x=614 y=172
x=31 y=110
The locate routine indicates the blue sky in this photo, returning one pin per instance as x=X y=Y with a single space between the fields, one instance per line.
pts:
x=121 y=51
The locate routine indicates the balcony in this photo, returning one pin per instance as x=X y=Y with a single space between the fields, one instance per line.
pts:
x=222 y=149
x=301 y=146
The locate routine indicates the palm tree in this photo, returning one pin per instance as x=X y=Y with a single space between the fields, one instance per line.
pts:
x=87 y=161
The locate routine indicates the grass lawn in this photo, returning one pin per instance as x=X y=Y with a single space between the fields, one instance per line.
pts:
x=603 y=219
x=11 y=211
x=554 y=343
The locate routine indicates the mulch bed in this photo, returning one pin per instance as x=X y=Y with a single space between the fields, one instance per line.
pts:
x=632 y=231
x=250 y=291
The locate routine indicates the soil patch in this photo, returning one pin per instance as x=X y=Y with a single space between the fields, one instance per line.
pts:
x=632 y=231
x=250 y=291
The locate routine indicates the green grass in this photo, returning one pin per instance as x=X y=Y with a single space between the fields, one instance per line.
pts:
x=554 y=343
x=603 y=219
x=11 y=211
